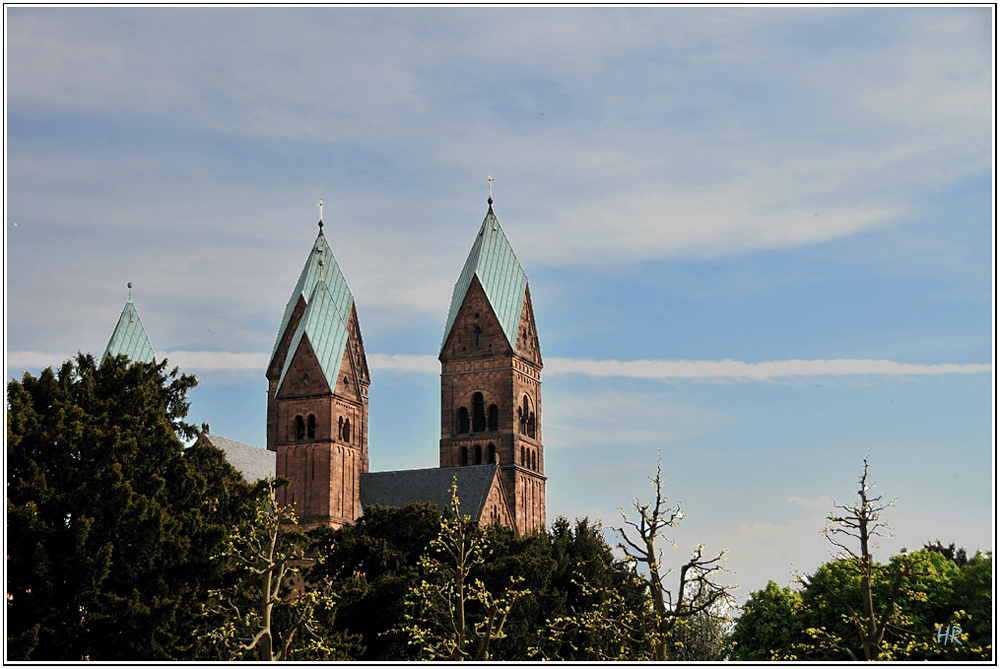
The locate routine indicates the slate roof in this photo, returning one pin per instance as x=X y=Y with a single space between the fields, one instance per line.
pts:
x=129 y=337
x=492 y=259
x=430 y=485
x=254 y=463
x=328 y=308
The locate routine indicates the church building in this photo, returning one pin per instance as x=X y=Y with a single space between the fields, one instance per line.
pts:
x=317 y=397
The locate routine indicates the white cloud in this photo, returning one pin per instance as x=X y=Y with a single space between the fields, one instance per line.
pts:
x=815 y=504
x=402 y=362
x=216 y=360
x=756 y=371
x=634 y=369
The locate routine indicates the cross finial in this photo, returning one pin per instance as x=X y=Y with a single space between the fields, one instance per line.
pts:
x=490 y=180
x=129 y=291
x=320 y=205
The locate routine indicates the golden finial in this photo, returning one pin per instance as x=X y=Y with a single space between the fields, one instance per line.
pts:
x=490 y=180
x=320 y=205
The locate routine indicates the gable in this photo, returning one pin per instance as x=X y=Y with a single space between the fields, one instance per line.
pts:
x=285 y=339
x=303 y=375
x=527 y=336
x=493 y=262
x=476 y=329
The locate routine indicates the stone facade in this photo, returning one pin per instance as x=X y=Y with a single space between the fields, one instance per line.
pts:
x=320 y=433
x=491 y=403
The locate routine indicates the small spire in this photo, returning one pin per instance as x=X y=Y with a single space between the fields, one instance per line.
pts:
x=320 y=205
x=129 y=291
x=490 y=180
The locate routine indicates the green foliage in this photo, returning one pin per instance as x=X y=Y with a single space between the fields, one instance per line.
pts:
x=451 y=614
x=810 y=624
x=376 y=562
x=110 y=522
x=269 y=611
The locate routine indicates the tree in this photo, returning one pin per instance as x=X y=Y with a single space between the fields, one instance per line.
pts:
x=270 y=610
x=852 y=529
x=784 y=624
x=686 y=623
x=111 y=523
x=856 y=608
x=697 y=596
x=451 y=614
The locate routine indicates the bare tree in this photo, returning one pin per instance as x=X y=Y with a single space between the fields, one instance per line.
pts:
x=853 y=530
x=697 y=594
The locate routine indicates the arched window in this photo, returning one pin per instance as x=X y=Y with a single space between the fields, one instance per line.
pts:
x=523 y=413
x=347 y=430
x=463 y=420
x=479 y=454
x=534 y=460
x=300 y=428
x=493 y=418
x=531 y=425
x=523 y=463
x=340 y=428
x=478 y=414
x=492 y=451
x=311 y=426
x=465 y=456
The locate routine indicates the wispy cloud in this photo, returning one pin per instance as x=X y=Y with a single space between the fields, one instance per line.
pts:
x=757 y=371
x=633 y=369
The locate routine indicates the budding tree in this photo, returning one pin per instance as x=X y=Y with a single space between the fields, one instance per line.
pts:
x=697 y=594
x=853 y=530
x=451 y=615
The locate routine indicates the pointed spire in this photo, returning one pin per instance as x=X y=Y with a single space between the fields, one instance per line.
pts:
x=328 y=301
x=492 y=260
x=129 y=336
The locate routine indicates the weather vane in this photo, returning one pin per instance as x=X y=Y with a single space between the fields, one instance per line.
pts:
x=320 y=205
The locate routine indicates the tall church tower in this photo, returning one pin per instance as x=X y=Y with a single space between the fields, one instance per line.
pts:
x=491 y=365
x=317 y=397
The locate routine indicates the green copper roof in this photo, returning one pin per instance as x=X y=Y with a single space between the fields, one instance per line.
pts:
x=493 y=261
x=129 y=336
x=328 y=308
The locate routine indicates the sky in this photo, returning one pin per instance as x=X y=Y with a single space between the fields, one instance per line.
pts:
x=759 y=241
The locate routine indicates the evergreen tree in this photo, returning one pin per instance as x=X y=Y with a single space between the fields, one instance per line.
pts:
x=111 y=524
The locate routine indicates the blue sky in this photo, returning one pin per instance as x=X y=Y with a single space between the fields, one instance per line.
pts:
x=759 y=241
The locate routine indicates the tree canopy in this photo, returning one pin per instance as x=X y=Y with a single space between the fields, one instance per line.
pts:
x=111 y=523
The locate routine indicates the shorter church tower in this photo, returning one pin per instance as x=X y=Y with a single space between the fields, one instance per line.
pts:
x=491 y=367
x=129 y=337
x=317 y=397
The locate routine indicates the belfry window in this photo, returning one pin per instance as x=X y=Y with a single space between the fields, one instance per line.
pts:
x=493 y=418
x=478 y=414
x=300 y=428
x=465 y=456
x=534 y=460
x=463 y=420
x=347 y=430
x=311 y=426
x=492 y=453
x=531 y=425
x=479 y=454
x=340 y=428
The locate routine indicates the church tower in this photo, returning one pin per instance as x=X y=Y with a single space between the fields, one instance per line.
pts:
x=317 y=397
x=491 y=366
